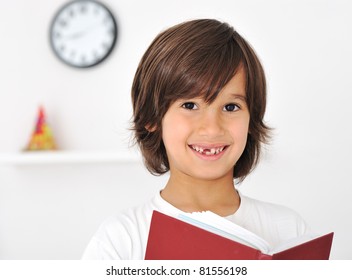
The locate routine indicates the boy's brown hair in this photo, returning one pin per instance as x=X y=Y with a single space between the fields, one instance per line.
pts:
x=192 y=59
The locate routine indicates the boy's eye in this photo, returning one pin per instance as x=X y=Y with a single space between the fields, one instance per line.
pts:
x=189 y=106
x=231 y=107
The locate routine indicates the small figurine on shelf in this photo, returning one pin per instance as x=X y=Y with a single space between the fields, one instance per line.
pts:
x=42 y=138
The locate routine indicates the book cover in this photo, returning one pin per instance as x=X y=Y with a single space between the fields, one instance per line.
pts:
x=173 y=239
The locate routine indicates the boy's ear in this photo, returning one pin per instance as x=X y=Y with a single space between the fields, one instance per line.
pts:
x=150 y=128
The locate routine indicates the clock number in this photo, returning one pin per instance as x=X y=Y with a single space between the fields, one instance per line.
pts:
x=106 y=20
x=111 y=32
x=83 y=8
x=105 y=45
x=63 y=23
x=71 y=13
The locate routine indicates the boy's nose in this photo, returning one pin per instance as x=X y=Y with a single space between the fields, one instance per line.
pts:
x=210 y=125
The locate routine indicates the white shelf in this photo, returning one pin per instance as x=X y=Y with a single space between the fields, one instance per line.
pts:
x=68 y=157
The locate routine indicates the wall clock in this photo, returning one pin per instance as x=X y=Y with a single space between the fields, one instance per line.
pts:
x=83 y=33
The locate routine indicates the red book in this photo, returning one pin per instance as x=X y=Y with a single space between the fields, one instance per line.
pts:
x=172 y=239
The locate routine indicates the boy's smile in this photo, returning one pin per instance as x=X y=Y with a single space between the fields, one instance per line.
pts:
x=208 y=152
x=205 y=140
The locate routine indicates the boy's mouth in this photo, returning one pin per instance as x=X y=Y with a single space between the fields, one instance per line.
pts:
x=208 y=151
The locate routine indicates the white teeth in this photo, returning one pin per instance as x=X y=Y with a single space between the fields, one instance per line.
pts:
x=208 y=152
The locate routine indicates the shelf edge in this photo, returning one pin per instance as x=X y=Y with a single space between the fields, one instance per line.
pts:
x=68 y=157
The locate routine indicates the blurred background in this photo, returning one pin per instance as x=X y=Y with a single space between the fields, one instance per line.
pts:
x=49 y=209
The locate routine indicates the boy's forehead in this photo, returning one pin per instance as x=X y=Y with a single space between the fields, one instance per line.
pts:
x=237 y=84
x=234 y=88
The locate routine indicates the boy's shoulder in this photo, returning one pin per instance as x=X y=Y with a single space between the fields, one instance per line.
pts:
x=271 y=221
x=130 y=219
x=122 y=235
x=263 y=207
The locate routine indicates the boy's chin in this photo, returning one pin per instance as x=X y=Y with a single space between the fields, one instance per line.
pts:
x=212 y=175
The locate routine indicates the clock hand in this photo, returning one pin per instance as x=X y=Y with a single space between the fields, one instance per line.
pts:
x=79 y=34
x=75 y=35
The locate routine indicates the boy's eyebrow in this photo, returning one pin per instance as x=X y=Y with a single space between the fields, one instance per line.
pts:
x=239 y=96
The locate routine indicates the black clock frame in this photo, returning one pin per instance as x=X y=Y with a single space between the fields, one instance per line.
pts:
x=115 y=34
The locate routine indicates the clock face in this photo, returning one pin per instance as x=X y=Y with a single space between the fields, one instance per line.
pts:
x=83 y=33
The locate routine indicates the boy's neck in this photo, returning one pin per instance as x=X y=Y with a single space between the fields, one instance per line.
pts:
x=192 y=195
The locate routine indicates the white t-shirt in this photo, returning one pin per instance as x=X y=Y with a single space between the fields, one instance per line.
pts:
x=124 y=236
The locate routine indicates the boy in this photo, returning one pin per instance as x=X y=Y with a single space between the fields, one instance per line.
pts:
x=199 y=97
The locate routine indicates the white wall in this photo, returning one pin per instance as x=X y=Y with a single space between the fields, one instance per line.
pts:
x=50 y=212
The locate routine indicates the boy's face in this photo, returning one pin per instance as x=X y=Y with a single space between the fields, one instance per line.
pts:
x=203 y=140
